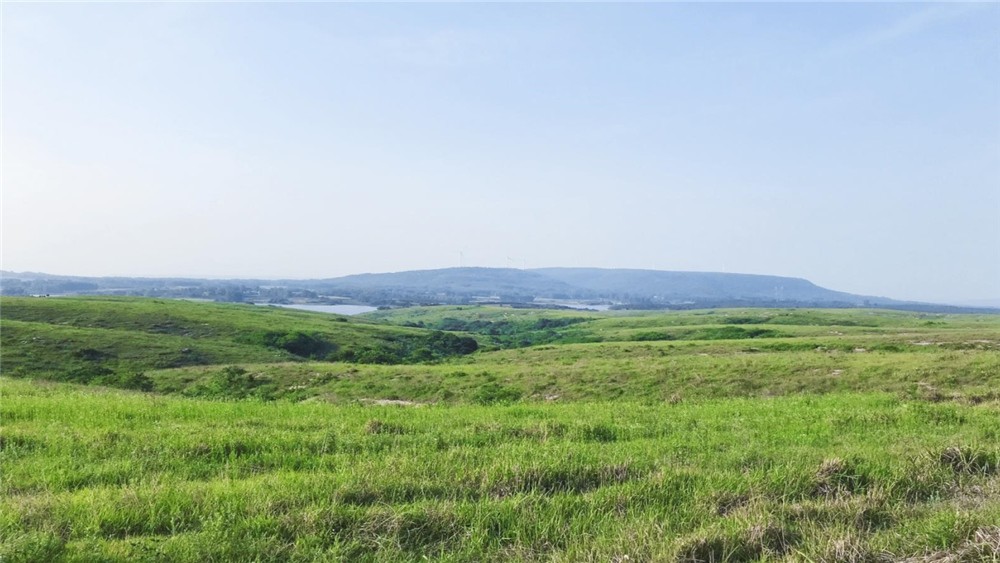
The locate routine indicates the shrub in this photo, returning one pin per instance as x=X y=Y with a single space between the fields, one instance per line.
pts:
x=137 y=381
x=232 y=382
x=447 y=344
x=85 y=374
x=303 y=344
x=652 y=336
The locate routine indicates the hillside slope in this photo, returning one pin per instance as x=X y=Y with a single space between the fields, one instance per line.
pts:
x=111 y=340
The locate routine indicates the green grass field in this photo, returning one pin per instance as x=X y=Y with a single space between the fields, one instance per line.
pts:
x=835 y=435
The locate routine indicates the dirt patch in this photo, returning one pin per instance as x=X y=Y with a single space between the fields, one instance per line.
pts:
x=391 y=403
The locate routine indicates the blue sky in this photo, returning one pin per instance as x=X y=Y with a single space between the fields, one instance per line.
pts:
x=855 y=145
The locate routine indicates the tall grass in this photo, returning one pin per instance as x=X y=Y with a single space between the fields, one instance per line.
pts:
x=91 y=474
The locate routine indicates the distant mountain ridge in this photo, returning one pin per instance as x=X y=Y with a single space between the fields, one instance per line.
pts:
x=671 y=285
x=479 y=281
x=624 y=288
x=608 y=284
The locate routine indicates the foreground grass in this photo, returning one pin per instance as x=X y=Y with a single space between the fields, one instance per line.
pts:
x=92 y=474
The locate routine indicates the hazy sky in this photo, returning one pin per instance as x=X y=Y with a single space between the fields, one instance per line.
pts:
x=855 y=145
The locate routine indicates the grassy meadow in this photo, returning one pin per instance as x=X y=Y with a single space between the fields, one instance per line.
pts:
x=136 y=429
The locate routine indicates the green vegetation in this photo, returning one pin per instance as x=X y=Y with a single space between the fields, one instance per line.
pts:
x=106 y=340
x=604 y=356
x=500 y=326
x=94 y=474
x=252 y=433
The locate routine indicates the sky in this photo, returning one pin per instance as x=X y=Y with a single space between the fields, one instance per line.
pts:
x=854 y=145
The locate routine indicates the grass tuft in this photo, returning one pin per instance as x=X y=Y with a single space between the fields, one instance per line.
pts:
x=970 y=460
x=376 y=426
x=837 y=477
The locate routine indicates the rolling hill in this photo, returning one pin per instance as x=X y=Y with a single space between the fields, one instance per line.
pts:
x=111 y=340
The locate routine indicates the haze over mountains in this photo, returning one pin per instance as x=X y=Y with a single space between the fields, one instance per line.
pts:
x=620 y=285
x=621 y=288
